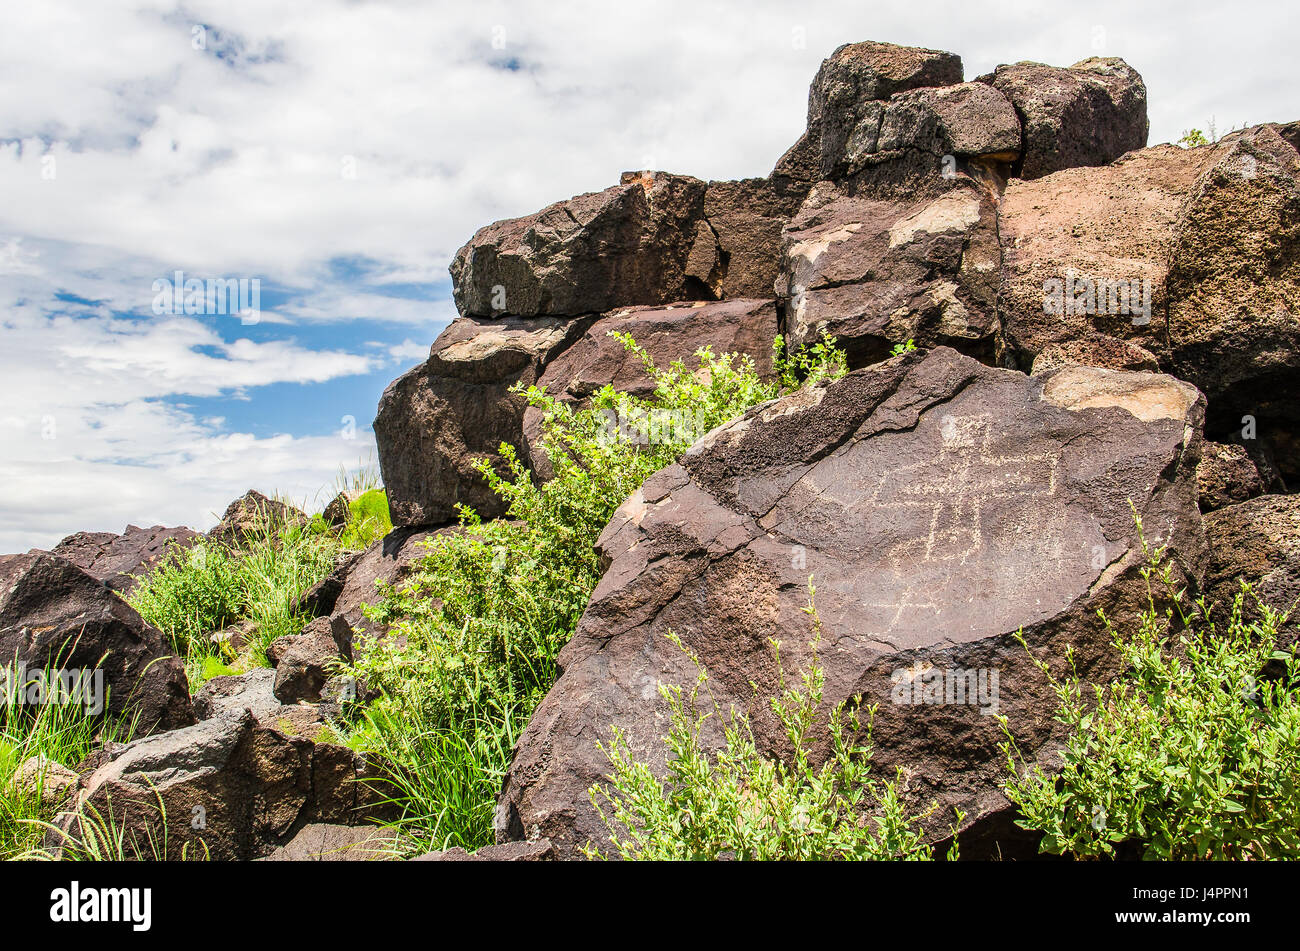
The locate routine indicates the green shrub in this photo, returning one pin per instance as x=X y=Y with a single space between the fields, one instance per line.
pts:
x=1193 y=752
x=368 y=520
x=736 y=803
x=478 y=625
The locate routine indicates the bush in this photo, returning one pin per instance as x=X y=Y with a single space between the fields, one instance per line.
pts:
x=1193 y=752
x=368 y=520
x=478 y=625
x=738 y=804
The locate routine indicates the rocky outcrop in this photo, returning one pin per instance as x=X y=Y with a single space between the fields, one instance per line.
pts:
x=323 y=842
x=1182 y=257
x=1089 y=114
x=940 y=506
x=120 y=560
x=236 y=785
x=875 y=274
x=305 y=662
x=54 y=616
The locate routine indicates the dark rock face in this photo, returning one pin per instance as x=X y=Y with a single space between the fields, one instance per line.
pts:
x=1227 y=475
x=242 y=781
x=940 y=506
x=1089 y=114
x=738 y=242
x=251 y=516
x=1189 y=255
x=626 y=245
x=436 y=420
x=354 y=583
x=850 y=83
x=54 y=614
x=1234 y=290
x=1257 y=542
x=303 y=663
x=877 y=273
x=120 y=560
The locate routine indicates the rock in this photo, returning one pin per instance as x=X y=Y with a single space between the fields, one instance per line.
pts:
x=851 y=82
x=304 y=662
x=235 y=637
x=913 y=145
x=1234 y=290
x=738 y=243
x=1189 y=255
x=1257 y=542
x=120 y=560
x=878 y=273
x=1226 y=475
x=626 y=245
x=355 y=582
x=41 y=776
x=538 y=851
x=1096 y=352
x=438 y=419
x=323 y=842
x=252 y=516
x=53 y=614
x=1063 y=235
x=941 y=506
x=236 y=785
x=338 y=511
x=1089 y=114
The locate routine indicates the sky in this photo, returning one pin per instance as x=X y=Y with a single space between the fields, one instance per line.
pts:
x=339 y=152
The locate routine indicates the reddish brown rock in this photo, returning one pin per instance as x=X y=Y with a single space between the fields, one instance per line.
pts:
x=53 y=614
x=875 y=274
x=1258 y=543
x=1226 y=475
x=120 y=560
x=253 y=516
x=437 y=420
x=1089 y=114
x=624 y=246
x=941 y=506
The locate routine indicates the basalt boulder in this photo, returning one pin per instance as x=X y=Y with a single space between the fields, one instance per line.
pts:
x=1089 y=114
x=626 y=245
x=438 y=419
x=120 y=560
x=236 y=785
x=53 y=615
x=1256 y=542
x=253 y=516
x=1226 y=476
x=877 y=273
x=1186 y=255
x=940 y=506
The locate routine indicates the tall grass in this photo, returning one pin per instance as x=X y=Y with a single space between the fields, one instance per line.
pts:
x=62 y=733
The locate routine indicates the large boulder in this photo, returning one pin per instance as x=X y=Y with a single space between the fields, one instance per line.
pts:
x=876 y=273
x=738 y=245
x=626 y=245
x=1226 y=475
x=437 y=420
x=236 y=785
x=1089 y=114
x=54 y=615
x=940 y=506
x=1187 y=257
x=849 y=86
x=121 y=560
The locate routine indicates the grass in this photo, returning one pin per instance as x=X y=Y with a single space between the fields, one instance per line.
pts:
x=65 y=734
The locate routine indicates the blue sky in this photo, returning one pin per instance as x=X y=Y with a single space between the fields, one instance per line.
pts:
x=341 y=152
